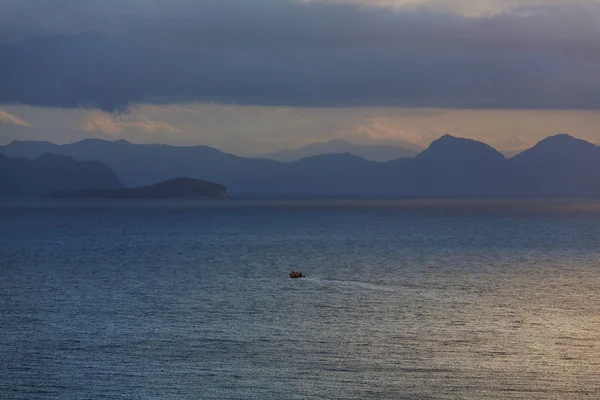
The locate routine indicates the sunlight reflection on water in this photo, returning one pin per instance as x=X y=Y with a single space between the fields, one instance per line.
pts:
x=469 y=300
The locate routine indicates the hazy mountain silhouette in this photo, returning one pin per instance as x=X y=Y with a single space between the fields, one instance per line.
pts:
x=453 y=166
x=147 y=164
x=381 y=153
x=336 y=175
x=559 y=165
x=29 y=149
x=180 y=188
x=450 y=167
x=50 y=172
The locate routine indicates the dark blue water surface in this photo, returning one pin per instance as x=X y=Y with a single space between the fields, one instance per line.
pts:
x=402 y=300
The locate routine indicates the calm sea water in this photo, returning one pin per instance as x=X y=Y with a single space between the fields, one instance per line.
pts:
x=402 y=300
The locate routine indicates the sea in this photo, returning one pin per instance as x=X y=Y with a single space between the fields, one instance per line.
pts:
x=462 y=299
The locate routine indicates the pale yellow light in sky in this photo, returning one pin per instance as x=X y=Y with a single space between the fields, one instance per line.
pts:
x=7 y=118
x=251 y=130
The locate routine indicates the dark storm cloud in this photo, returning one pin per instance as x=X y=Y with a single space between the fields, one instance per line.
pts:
x=288 y=53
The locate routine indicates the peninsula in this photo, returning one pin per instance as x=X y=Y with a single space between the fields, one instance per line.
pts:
x=179 y=188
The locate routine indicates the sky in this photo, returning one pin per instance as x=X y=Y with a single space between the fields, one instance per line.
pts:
x=252 y=77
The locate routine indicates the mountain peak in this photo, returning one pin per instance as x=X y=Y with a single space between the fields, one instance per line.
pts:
x=450 y=147
x=373 y=152
x=449 y=139
x=560 y=147
x=563 y=139
x=561 y=136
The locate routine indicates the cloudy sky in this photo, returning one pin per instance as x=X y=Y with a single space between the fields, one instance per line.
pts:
x=252 y=76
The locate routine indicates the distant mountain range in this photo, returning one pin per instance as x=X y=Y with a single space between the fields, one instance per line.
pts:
x=381 y=153
x=49 y=172
x=450 y=167
x=148 y=164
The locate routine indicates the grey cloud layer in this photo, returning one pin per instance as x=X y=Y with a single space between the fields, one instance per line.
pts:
x=284 y=52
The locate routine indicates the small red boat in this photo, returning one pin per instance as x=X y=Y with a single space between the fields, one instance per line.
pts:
x=295 y=274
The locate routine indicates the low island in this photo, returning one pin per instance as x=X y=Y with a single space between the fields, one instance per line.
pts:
x=179 y=188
